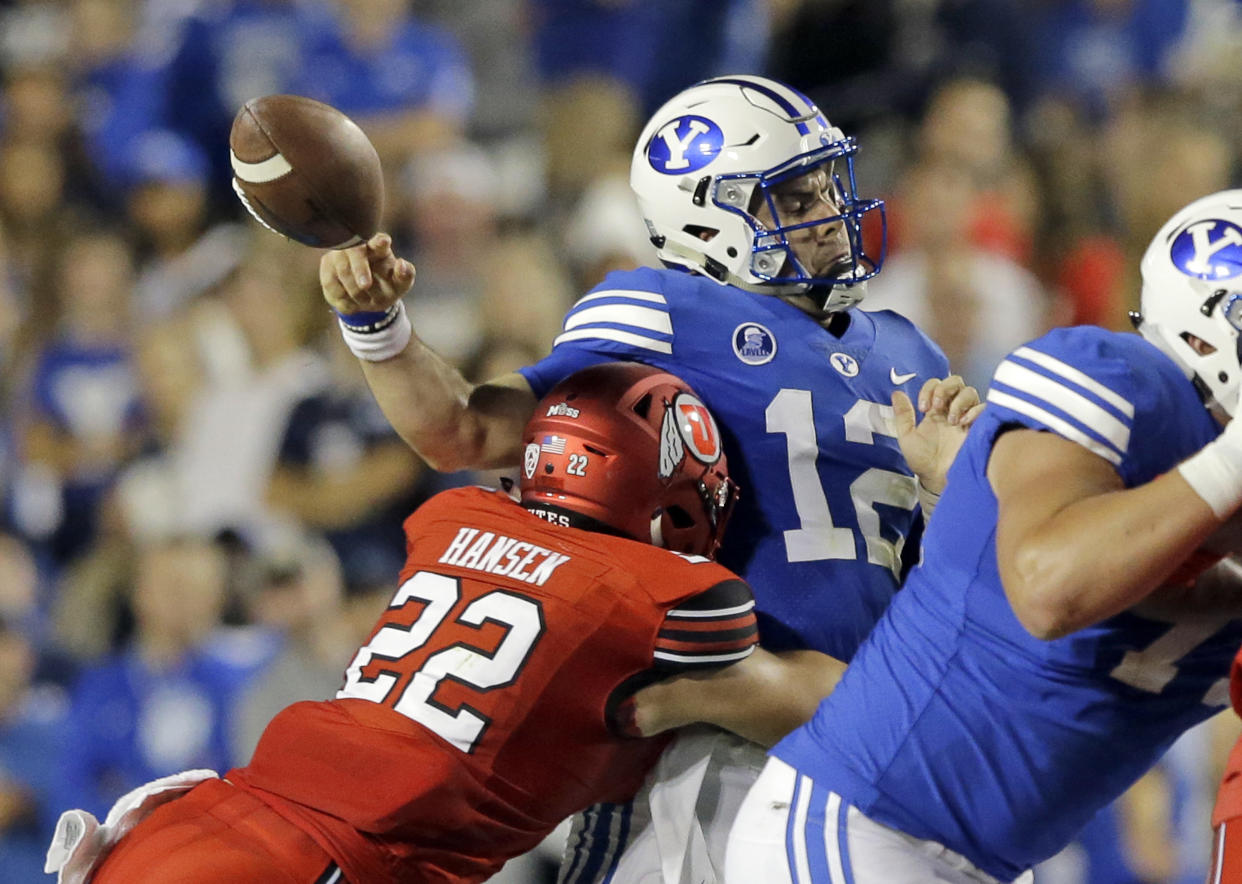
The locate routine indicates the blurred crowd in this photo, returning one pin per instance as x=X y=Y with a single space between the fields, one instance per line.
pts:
x=200 y=503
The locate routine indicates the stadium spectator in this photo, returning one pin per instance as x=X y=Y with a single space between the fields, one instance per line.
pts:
x=1100 y=52
x=602 y=67
x=200 y=62
x=34 y=743
x=84 y=416
x=180 y=256
x=293 y=587
x=160 y=704
x=342 y=471
x=968 y=124
x=254 y=346
x=405 y=81
x=977 y=303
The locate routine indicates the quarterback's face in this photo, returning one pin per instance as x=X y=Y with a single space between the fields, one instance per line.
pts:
x=804 y=200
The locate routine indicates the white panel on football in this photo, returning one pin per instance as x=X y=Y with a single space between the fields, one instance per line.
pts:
x=261 y=172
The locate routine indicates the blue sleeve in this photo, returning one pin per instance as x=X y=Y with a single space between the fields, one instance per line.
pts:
x=558 y=365
x=1075 y=383
x=625 y=317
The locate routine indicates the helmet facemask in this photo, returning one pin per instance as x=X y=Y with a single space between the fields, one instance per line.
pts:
x=713 y=171
x=790 y=206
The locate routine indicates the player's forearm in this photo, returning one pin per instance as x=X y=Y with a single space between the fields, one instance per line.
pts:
x=450 y=422
x=762 y=698
x=1102 y=554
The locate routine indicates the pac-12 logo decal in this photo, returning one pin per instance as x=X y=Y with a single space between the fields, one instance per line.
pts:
x=687 y=426
x=685 y=144
x=844 y=363
x=1210 y=249
x=531 y=459
x=753 y=344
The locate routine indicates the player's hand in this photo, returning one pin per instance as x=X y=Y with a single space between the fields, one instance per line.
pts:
x=929 y=445
x=367 y=277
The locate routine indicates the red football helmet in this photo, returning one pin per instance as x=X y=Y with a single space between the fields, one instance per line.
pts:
x=633 y=449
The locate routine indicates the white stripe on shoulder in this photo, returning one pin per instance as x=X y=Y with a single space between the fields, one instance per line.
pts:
x=632 y=294
x=718 y=612
x=1083 y=380
x=612 y=334
x=647 y=318
x=1055 y=423
x=705 y=658
x=1073 y=403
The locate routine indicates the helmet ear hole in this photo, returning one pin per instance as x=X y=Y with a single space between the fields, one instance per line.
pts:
x=1196 y=343
x=643 y=406
x=679 y=517
x=698 y=231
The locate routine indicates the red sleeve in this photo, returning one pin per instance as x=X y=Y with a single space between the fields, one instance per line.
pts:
x=714 y=628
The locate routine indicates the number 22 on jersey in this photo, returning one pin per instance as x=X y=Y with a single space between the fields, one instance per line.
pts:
x=817 y=536
x=521 y=618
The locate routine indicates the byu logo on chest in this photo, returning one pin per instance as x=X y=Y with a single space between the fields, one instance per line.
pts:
x=1210 y=249
x=844 y=363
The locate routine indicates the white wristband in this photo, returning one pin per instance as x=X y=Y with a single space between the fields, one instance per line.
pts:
x=382 y=340
x=1215 y=473
x=927 y=500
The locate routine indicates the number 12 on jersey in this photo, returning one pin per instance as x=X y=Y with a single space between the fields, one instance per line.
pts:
x=817 y=536
x=464 y=726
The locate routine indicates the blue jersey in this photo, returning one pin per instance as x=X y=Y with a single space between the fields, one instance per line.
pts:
x=955 y=724
x=827 y=499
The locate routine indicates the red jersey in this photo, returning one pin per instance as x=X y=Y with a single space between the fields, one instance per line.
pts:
x=477 y=716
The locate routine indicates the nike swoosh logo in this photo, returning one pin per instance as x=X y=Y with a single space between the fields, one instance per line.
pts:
x=899 y=379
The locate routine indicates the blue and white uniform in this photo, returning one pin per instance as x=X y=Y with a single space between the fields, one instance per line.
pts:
x=827 y=500
x=953 y=724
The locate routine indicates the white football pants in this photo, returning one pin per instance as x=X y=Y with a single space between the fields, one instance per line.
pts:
x=788 y=831
x=676 y=829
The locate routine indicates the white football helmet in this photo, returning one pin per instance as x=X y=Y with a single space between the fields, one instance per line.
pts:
x=1192 y=286
x=710 y=158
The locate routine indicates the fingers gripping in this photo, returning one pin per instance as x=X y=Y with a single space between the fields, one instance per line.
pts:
x=949 y=398
x=367 y=277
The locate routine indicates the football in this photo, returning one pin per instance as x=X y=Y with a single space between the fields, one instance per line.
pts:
x=307 y=171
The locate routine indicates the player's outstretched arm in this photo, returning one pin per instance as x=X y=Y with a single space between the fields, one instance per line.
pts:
x=761 y=698
x=1073 y=544
x=450 y=422
x=929 y=445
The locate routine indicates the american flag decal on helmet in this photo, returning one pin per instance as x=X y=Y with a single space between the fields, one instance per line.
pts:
x=553 y=444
